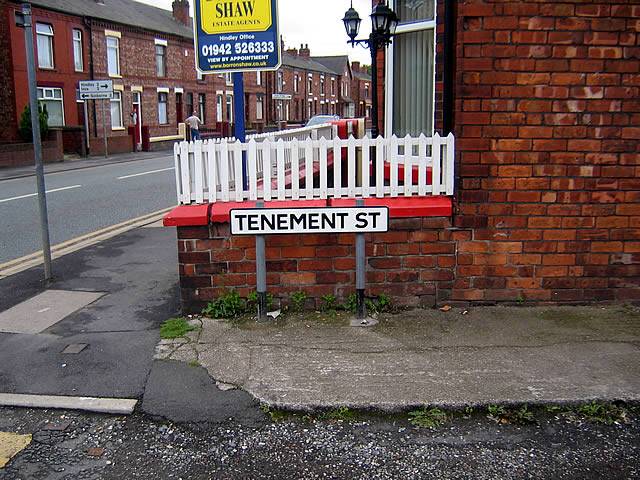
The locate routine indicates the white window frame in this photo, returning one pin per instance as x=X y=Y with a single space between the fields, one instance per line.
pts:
x=411 y=27
x=229 y=105
x=228 y=77
x=296 y=83
x=117 y=98
x=259 y=78
x=117 y=49
x=49 y=35
x=166 y=103
x=280 y=81
x=259 y=107
x=163 y=48
x=78 y=55
x=47 y=94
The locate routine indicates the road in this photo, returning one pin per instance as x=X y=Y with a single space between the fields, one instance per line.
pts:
x=82 y=201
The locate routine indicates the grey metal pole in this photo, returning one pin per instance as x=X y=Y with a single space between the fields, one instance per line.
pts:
x=37 y=140
x=86 y=126
x=261 y=273
x=360 y=270
x=104 y=130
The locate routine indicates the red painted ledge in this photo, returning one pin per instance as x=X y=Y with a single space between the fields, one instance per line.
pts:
x=200 y=215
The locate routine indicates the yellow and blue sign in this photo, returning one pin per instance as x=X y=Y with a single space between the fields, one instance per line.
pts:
x=236 y=35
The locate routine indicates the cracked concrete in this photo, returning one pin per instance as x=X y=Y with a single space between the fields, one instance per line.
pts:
x=491 y=355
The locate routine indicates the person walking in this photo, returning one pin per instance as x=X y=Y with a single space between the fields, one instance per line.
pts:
x=194 y=126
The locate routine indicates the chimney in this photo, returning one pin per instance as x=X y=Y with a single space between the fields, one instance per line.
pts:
x=355 y=66
x=304 y=51
x=181 y=12
x=293 y=52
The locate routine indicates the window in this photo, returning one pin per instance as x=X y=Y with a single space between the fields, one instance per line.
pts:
x=44 y=39
x=202 y=107
x=410 y=100
x=113 y=56
x=296 y=83
x=310 y=83
x=280 y=81
x=345 y=89
x=161 y=61
x=258 y=78
x=228 y=77
x=259 y=107
x=219 y=108
x=116 y=111
x=321 y=85
x=179 y=111
x=78 y=60
x=51 y=100
x=229 y=108
x=366 y=90
x=333 y=87
x=163 y=99
x=199 y=76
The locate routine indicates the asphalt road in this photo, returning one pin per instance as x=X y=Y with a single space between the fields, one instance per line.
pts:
x=82 y=201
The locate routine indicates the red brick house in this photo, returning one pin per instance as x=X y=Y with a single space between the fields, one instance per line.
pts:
x=543 y=100
x=361 y=90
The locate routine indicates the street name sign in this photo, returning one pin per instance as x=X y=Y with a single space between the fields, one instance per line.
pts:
x=236 y=35
x=96 y=89
x=281 y=96
x=271 y=221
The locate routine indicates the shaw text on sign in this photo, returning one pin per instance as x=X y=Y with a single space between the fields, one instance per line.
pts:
x=273 y=221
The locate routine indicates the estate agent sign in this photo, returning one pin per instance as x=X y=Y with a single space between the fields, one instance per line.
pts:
x=236 y=35
x=309 y=220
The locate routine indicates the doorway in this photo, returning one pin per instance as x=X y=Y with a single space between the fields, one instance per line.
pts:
x=137 y=119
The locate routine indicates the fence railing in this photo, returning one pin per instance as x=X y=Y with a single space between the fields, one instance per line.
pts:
x=263 y=169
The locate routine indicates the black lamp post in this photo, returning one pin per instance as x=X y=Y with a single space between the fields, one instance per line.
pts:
x=383 y=27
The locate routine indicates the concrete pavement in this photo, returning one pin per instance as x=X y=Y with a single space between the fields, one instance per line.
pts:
x=490 y=355
x=427 y=357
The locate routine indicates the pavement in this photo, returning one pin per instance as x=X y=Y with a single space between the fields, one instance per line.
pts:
x=101 y=339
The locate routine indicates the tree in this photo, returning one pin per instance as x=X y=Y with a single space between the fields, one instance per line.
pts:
x=25 y=123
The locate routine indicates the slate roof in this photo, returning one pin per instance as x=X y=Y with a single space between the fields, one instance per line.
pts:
x=304 y=63
x=336 y=64
x=125 y=12
x=362 y=76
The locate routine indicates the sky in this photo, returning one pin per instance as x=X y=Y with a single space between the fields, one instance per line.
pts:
x=318 y=23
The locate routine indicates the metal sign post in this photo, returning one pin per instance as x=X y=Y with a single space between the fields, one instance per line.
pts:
x=239 y=127
x=98 y=90
x=261 y=273
x=24 y=19
x=361 y=270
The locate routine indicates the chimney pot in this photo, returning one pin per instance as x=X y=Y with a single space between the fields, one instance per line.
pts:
x=181 y=11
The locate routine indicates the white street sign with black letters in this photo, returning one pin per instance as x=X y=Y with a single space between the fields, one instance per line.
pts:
x=96 y=89
x=271 y=221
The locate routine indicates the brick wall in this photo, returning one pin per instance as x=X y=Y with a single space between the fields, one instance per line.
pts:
x=8 y=123
x=414 y=263
x=547 y=116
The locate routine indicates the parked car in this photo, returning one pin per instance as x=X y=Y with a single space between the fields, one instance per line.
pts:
x=320 y=119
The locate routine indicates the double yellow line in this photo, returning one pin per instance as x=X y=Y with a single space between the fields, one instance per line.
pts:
x=29 y=261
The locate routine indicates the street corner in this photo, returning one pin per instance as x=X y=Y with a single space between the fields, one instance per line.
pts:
x=11 y=444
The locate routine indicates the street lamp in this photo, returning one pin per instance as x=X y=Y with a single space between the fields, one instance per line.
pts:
x=383 y=27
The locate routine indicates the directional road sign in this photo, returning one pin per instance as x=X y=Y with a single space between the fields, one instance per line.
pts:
x=96 y=89
x=236 y=35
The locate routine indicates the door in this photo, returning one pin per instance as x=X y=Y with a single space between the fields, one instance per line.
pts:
x=137 y=118
x=179 y=110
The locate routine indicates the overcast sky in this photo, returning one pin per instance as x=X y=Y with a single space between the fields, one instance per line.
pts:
x=317 y=23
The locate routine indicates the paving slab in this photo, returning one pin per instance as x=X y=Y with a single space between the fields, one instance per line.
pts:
x=44 y=310
x=10 y=445
x=490 y=355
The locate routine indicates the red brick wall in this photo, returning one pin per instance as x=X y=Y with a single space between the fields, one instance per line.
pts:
x=547 y=115
x=8 y=119
x=414 y=263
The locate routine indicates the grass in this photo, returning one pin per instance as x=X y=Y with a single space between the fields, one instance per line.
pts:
x=175 y=328
x=604 y=413
x=342 y=414
x=428 y=417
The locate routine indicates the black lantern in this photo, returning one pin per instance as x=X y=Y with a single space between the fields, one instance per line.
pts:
x=352 y=22
x=383 y=20
x=383 y=27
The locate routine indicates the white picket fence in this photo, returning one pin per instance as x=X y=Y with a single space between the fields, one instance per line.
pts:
x=211 y=171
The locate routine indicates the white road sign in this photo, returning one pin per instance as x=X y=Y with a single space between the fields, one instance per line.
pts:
x=96 y=89
x=269 y=221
